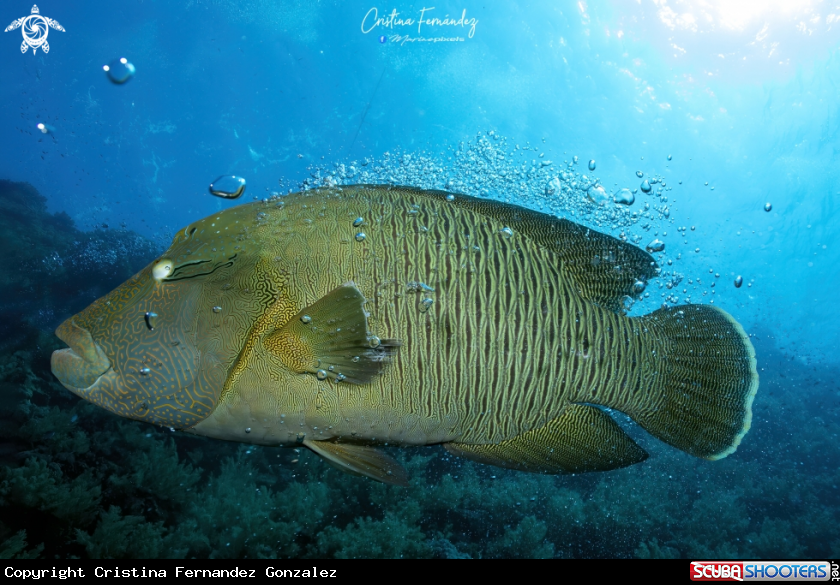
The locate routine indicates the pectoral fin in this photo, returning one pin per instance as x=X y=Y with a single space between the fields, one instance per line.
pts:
x=582 y=438
x=331 y=336
x=361 y=460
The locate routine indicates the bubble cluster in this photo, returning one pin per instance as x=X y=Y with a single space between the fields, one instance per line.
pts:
x=494 y=167
x=100 y=254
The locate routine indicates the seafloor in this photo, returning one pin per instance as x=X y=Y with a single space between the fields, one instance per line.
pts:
x=76 y=481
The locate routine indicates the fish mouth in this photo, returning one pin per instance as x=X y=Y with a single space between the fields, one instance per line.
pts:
x=79 y=366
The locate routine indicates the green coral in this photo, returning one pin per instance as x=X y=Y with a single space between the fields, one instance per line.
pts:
x=240 y=518
x=123 y=537
x=42 y=486
x=389 y=538
x=14 y=547
x=527 y=540
x=775 y=539
x=156 y=469
x=653 y=550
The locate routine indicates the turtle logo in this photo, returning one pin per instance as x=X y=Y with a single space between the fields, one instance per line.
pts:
x=35 y=28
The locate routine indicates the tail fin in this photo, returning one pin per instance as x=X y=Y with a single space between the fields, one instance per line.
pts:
x=702 y=381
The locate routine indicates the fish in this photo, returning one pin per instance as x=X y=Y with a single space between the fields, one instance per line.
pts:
x=351 y=318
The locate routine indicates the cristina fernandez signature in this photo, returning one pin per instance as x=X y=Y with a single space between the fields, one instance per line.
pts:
x=372 y=20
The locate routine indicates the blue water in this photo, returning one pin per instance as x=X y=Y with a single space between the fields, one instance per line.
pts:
x=733 y=105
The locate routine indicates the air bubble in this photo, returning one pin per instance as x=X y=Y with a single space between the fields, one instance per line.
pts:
x=144 y=371
x=355 y=359
x=450 y=197
x=416 y=287
x=598 y=195
x=739 y=280
x=506 y=232
x=425 y=304
x=228 y=187
x=358 y=221
x=669 y=157
x=592 y=165
x=306 y=319
x=217 y=309
x=321 y=374
x=645 y=186
x=360 y=237
x=119 y=70
x=640 y=174
x=553 y=187
x=248 y=430
x=374 y=341
x=624 y=197
x=768 y=206
x=656 y=246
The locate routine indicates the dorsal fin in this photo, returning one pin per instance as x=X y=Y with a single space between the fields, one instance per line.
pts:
x=605 y=269
x=330 y=338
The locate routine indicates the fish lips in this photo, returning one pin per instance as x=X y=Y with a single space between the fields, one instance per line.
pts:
x=81 y=365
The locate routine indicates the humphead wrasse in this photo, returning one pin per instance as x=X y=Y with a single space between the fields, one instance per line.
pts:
x=348 y=318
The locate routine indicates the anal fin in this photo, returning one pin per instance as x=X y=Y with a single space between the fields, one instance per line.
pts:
x=361 y=460
x=582 y=438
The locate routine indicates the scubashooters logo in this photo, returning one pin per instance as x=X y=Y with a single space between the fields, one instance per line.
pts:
x=35 y=29
x=760 y=571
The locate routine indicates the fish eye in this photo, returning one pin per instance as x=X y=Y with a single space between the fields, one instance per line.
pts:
x=162 y=269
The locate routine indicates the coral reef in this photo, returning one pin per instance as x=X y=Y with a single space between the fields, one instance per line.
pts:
x=50 y=269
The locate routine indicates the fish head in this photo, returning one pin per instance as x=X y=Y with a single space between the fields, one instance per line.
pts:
x=158 y=347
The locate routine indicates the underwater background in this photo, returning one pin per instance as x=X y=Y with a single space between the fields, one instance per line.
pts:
x=702 y=113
